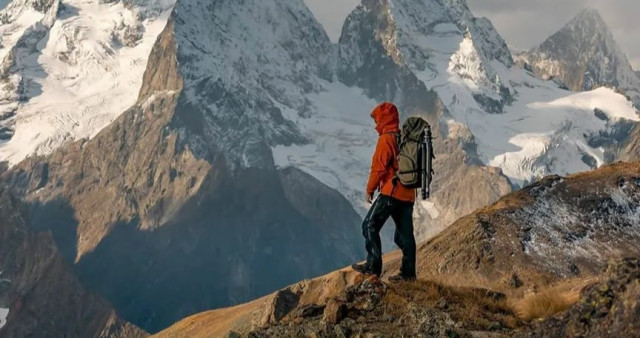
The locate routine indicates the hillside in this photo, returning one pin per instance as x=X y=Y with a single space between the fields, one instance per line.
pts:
x=559 y=231
x=36 y=284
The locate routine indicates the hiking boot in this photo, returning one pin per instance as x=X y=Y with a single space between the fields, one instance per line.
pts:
x=400 y=278
x=363 y=269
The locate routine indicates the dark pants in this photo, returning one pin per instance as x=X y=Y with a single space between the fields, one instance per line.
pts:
x=402 y=215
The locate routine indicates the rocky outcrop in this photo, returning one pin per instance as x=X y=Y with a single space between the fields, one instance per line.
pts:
x=554 y=229
x=584 y=55
x=609 y=308
x=630 y=148
x=36 y=284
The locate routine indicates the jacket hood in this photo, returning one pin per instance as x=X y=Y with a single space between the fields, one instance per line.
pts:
x=386 y=117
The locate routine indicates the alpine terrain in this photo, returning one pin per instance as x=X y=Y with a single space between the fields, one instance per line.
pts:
x=191 y=155
x=177 y=206
x=39 y=296
x=482 y=276
x=584 y=55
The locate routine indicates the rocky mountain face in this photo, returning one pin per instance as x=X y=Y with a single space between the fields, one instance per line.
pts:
x=376 y=53
x=68 y=69
x=177 y=206
x=437 y=60
x=584 y=55
x=41 y=295
x=558 y=230
x=630 y=149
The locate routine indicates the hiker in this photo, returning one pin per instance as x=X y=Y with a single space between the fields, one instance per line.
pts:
x=395 y=200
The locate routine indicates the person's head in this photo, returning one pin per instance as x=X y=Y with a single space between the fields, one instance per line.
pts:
x=386 y=118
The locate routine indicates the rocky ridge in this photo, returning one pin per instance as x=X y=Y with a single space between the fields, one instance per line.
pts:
x=583 y=55
x=548 y=233
x=36 y=283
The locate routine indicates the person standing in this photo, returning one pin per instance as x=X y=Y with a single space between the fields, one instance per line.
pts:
x=394 y=200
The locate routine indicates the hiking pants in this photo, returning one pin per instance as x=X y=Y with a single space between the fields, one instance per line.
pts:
x=402 y=214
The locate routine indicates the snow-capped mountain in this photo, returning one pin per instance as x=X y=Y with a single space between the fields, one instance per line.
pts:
x=222 y=175
x=435 y=59
x=69 y=68
x=584 y=55
x=309 y=107
x=177 y=206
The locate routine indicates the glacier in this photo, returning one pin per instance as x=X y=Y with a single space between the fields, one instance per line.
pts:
x=77 y=77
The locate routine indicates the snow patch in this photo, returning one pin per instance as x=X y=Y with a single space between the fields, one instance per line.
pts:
x=343 y=140
x=556 y=226
x=4 y=313
x=431 y=208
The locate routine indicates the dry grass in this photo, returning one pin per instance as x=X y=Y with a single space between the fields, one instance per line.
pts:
x=476 y=308
x=544 y=304
x=550 y=301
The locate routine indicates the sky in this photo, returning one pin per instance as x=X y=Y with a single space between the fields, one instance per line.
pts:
x=522 y=23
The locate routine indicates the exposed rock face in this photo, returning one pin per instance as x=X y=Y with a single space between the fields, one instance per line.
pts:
x=42 y=295
x=583 y=55
x=630 y=149
x=177 y=206
x=610 y=308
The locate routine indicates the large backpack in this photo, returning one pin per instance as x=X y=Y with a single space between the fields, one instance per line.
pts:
x=415 y=157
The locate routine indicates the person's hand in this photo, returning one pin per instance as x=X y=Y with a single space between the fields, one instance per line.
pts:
x=369 y=198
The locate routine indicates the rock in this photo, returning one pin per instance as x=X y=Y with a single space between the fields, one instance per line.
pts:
x=283 y=303
x=366 y=295
x=494 y=326
x=515 y=281
x=610 y=308
x=312 y=310
x=334 y=312
x=341 y=331
x=233 y=334
x=442 y=303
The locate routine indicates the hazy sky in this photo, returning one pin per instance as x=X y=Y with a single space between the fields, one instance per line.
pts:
x=523 y=23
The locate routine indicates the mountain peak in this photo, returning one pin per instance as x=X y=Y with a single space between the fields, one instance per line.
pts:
x=584 y=54
x=589 y=20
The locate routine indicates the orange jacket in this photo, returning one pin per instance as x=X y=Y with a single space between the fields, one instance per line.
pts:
x=385 y=159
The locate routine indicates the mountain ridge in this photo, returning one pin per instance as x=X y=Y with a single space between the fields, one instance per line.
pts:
x=36 y=283
x=584 y=54
x=503 y=249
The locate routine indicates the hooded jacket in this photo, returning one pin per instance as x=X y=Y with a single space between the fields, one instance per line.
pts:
x=384 y=163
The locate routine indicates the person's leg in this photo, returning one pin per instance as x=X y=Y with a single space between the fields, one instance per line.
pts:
x=377 y=216
x=403 y=218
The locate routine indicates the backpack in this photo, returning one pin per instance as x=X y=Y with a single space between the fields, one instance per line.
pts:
x=415 y=155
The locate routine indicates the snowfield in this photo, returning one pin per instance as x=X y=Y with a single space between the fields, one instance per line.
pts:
x=343 y=139
x=544 y=130
x=81 y=75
